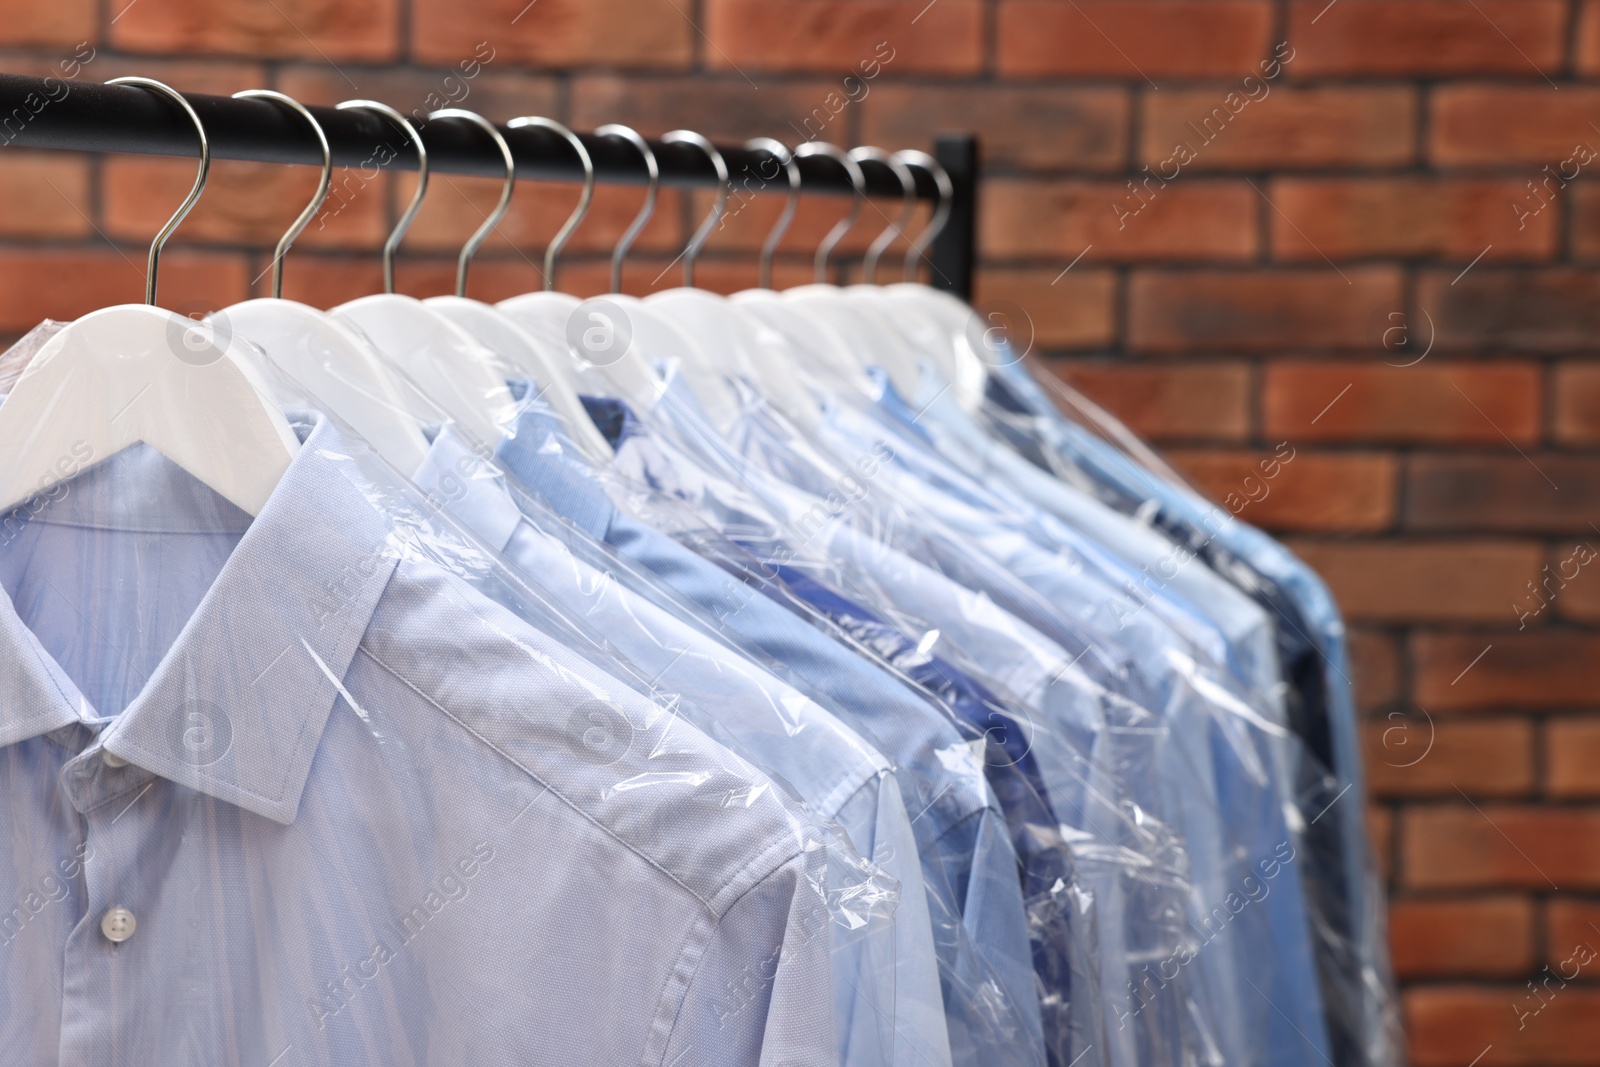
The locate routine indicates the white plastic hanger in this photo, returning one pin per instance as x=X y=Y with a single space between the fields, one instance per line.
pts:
x=452 y=369
x=135 y=373
x=506 y=337
x=601 y=339
x=333 y=363
x=824 y=355
x=736 y=340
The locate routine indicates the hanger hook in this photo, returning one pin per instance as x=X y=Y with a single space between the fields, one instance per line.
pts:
x=470 y=249
x=858 y=184
x=392 y=245
x=632 y=136
x=194 y=193
x=692 y=250
x=559 y=241
x=941 y=214
x=908 y=207
x=779 y=151
x=311 y=209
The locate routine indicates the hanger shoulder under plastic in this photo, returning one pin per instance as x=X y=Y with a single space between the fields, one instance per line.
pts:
x=135 y=373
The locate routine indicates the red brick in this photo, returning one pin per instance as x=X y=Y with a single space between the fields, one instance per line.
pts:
x=1258 y=311
x=1536 y=492
x=1374 y=668
x=1424 y=581
x=1463 y=937
x=244 y=203
x=1410 y=756
x=1078 y=311
x=1588 y=37
x=1555 y=309
x=1552 y=669
x=890 y=36
x=313 y=29
x=37 y=284
x=1518 y=37
x=1498 y=125
x=1448 y=1026
x=1022 y=219
x=1408 y=218
x=1572 y=756
x=1290 y=127
x=1192 y=401
x=1380 y=834
x=1065 y=127
x=1312 y=491
x=1584 y=204
x=63 y=23
x=1431 y=402
x=1569 y=586
x=723 y=109
x=1133 y=39
x=1569 y=923
x=492 y=90
x=553 y=34
x=1459 y=846
x=46 y=195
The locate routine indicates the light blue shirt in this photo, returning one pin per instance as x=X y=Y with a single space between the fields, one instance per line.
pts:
x=1358 y=981
x=887 y=983
x=358 y=814
x=969 y=865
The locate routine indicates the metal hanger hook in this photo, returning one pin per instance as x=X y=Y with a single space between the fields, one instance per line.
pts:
x=941 y=214
x=470 y=249
x=194 y=193
x=779 y=151
x=691 y=251
x=311 y=209
x=392 y=245
x=625 y=242
x=908 y=207
x=858 y=182
x=559 y=241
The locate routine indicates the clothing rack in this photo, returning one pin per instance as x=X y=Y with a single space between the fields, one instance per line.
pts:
x=90 y=117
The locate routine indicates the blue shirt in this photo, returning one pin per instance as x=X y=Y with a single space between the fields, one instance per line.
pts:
x=1315 y=654
x=887 y=974
x=969 y=865
x=355 y=812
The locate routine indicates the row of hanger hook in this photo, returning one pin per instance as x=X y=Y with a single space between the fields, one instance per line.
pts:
x=899 y=163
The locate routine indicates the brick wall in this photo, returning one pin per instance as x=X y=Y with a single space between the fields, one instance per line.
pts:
x=1365 y=228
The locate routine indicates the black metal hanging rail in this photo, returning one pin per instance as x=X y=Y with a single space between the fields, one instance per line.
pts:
x=90 y=117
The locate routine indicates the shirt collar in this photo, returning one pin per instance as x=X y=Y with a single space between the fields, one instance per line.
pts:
x=237 y=706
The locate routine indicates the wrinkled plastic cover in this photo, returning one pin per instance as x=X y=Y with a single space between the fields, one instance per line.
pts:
x=1352 y=940
x=335 y=779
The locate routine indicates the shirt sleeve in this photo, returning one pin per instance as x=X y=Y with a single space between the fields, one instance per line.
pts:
x=759 y=978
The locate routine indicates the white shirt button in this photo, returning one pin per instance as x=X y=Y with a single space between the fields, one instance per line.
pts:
x=118 y=925
x=111 y=759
